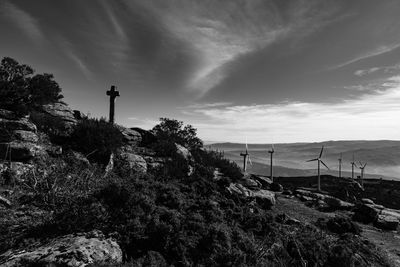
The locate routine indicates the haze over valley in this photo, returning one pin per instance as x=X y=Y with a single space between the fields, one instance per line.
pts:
x=382 y=157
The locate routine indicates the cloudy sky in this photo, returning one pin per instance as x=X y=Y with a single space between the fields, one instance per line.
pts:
x=268 y=70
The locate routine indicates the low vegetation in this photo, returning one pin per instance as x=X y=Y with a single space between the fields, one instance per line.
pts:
x=164 y=217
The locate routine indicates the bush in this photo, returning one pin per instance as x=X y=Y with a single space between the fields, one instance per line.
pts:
x=339 y=225
x=173 y=131
x=96 y=138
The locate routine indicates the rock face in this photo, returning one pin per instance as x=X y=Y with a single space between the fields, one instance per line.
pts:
x=131 y=162
x=264 y=197
x=148 y=137
x=71 y=250
x=61 y=111
x=18 y=138
x=64 y=115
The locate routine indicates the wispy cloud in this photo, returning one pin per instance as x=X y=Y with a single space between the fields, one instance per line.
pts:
x=371 y=116
x=373 y=53
x=23 y=20
x=207 y=105
x=143 y=123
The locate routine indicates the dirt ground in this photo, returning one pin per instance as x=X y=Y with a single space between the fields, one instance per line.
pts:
x=388 y=241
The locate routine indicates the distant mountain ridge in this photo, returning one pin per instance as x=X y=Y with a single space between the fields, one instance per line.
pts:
x=382 y=157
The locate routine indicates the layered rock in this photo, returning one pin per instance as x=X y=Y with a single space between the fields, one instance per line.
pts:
x=70 y=250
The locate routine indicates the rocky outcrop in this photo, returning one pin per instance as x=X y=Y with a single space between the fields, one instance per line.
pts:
x=70 y=250
x=18 y=138
x=130 y=162
x=264 y=181
x=131 y=137
x=323 y=201
x=264 y=197
x=60 y=111
x=387 y=222
x=148 y=137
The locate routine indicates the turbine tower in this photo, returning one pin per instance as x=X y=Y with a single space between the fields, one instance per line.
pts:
x=246 y=157
x=319 y=167
x=340 y=166
x=353 y=163
x=271 y=152
x=362 y=167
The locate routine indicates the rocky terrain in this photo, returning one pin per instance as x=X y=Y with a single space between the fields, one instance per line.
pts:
x=80 y=191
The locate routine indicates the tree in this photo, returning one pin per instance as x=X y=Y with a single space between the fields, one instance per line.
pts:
x=21 y=92
x=175 y=132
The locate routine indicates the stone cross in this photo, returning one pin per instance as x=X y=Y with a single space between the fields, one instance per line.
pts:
x=113 y=94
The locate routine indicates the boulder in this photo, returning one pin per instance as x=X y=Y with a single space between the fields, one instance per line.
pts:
x=366 y=213
x=264 y=181
x=61 y=111
x=276 y=187
x=131 y=137
x=131 y=162
x=154 y=163
x=387 y=222
x=250 y=183
x=21 y=151
x=71 y=250
x=148 y=137
x=263 y=197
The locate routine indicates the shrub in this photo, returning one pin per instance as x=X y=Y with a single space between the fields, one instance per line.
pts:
x=96 y=138
x=173 y=131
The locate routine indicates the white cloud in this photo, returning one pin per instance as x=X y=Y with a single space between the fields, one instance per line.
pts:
x=385 y=69
x=23 y=20
x=371 y=116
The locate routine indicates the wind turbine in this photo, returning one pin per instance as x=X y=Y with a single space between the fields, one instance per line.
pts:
x=353 y=163
x=362 y=167
x=340 y=166
x=246 y=158
x=271 y=152
x=319 y=163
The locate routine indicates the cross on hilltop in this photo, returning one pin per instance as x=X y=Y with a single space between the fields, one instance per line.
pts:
x=113 y=94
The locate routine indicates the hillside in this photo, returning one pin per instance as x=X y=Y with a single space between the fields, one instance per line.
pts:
x=81 y=191
x=382 y=157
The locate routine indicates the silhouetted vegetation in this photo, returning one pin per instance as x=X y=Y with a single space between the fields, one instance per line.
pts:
x=20 y=91
x=174 y=131
x=96 y=138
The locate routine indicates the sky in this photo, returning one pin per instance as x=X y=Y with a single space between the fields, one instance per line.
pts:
x=262 y=70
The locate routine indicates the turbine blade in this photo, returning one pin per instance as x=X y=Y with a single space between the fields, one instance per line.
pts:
x=273 y=149
x=341 y=156
x=312 y=160
x=322 y=150
x=251 y=163
x=325 y=165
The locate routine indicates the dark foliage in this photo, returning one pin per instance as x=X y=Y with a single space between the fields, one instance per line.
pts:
x=174 y=131
x=96 y=138
x=21 y=92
